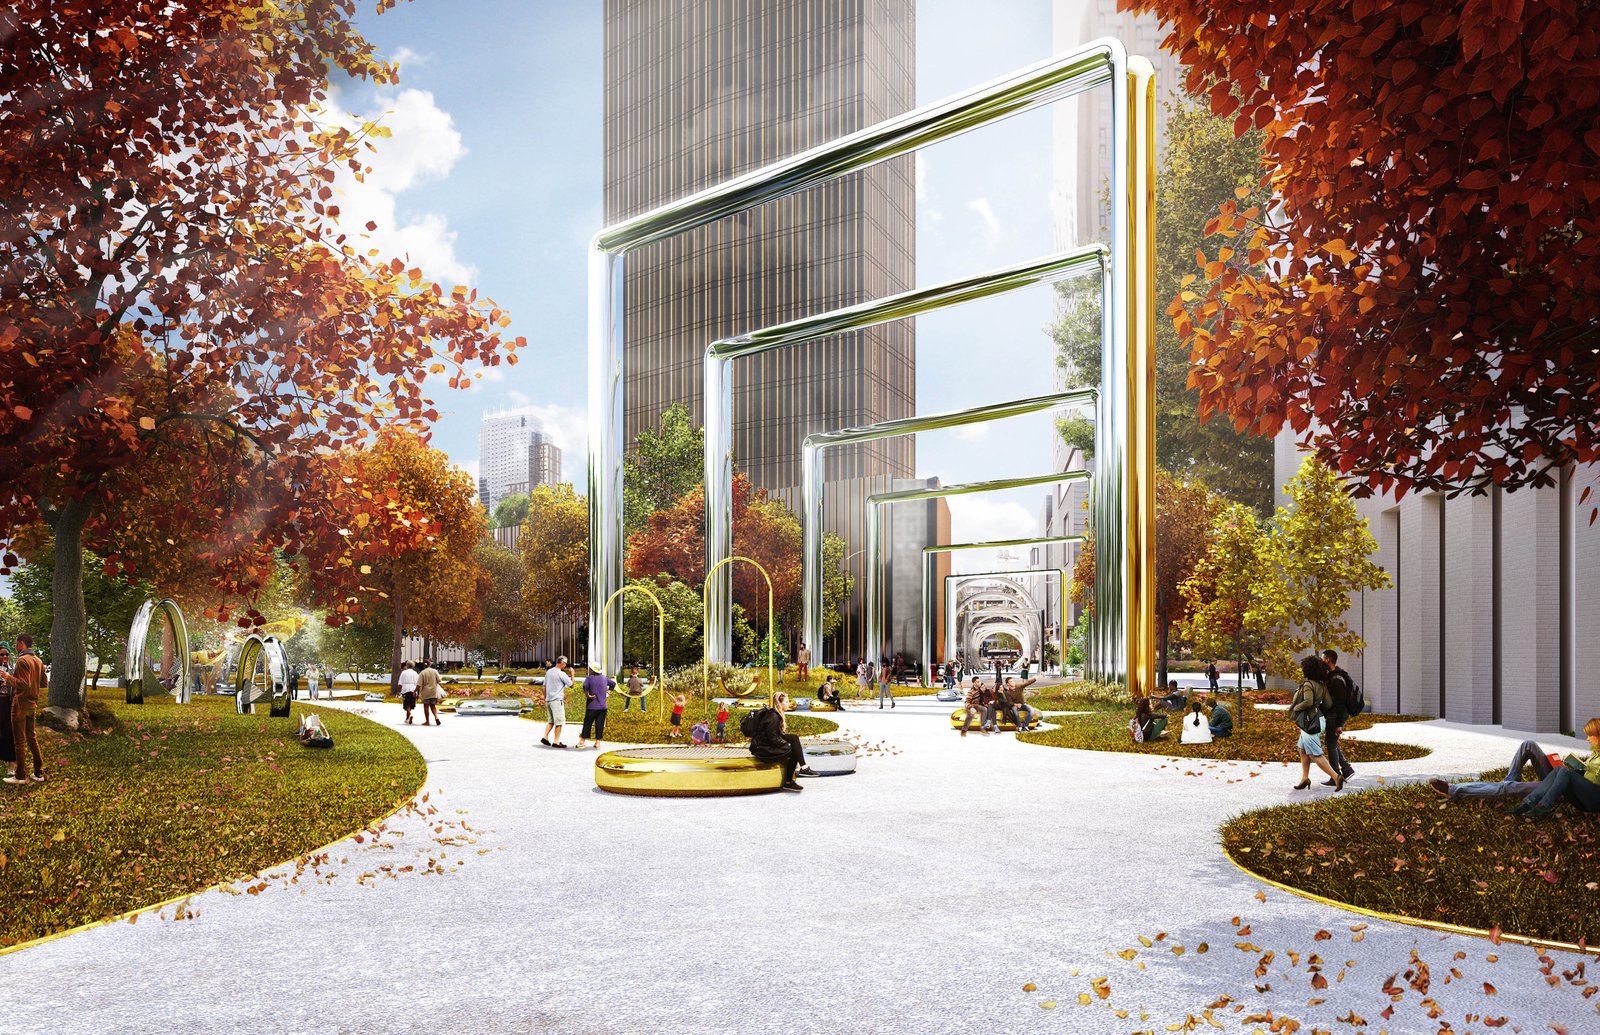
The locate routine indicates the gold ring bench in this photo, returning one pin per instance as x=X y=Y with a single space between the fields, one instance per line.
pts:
x=1003 y=722
x=670 y=771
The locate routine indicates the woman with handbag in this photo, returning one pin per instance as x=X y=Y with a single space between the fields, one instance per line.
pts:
x=1311 y=702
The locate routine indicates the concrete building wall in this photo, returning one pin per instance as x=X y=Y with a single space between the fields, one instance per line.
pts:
x=1585 y=576
x=1468 y=644
x=1530 y=619
x=1421 y=629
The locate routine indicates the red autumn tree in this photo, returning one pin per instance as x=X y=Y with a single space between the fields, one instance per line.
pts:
x=184 y=325
x=673 y=542
x=1431 y=314
x=398 y=543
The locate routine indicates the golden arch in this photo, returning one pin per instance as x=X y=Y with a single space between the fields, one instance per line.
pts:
x=705 y=617
x=661 y=642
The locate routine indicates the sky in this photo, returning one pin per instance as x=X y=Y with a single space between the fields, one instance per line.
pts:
x=492 y=177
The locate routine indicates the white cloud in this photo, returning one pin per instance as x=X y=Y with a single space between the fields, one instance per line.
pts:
x=471 y=467
x=974 y=432
x=423 y=146
x=924 y=194
x=991 y=222
x=406 y=58
x=975 y=519
x=568 y=428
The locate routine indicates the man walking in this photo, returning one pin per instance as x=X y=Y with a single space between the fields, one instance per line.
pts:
x=885 y=685
x=408 y=688
x=1212 y=675
x=803 y=659
x=26 y=682
x=556 y=682
x=1342 y=689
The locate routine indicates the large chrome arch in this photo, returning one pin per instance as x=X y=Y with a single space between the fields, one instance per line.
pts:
x=136 y=673
x=270 y=684
x=1125 y=426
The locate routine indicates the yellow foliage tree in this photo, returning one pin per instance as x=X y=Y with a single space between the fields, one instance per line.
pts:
x=1218 y=595
x=1318 y=552
x=555 y=555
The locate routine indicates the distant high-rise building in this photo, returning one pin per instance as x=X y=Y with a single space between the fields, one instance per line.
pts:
x=698 y=92
x=509 y=442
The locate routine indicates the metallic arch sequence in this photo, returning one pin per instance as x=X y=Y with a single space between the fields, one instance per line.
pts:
x=133 y=673
x=273 y=687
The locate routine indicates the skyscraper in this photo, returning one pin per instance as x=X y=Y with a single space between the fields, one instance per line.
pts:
x=514 y=450
x=698 y=91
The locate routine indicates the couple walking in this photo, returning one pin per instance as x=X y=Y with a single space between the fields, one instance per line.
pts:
x=596 y=691
x=415 y=687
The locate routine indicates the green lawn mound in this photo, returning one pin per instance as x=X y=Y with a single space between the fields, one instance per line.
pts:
x=164 y=800
x=1405 y=851
x=1267 y=736
x=652 y=727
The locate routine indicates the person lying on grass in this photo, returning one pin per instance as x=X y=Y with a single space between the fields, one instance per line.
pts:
x=1574 y=778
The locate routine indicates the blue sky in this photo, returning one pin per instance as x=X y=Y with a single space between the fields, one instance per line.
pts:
x=494 y=175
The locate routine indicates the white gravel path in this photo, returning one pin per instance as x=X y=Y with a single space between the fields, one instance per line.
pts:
x=915 y=896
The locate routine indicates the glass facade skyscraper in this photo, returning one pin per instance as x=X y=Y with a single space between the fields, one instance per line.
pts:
x=698 y=91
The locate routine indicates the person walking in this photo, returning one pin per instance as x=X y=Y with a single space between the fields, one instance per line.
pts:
x=885 y=686
x=313 y=679
x=1027 y=663
x=1212 y=675
x=1341 y=689
x=596 y=689
x=408 y=688
x=429 y=691
x=867 y=678
x=26 y=679
x=802 y=658
x=556 y=682
x=770 y=741
x=1310 y=704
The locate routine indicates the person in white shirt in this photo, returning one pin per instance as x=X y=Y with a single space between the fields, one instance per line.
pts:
x=408 y=689
x=556 y=681
x=1196 y=730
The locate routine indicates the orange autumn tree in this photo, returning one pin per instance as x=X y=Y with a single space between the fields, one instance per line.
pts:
x=185 y=326
x=1431 y=312
x=399 y=544
x=673 y=542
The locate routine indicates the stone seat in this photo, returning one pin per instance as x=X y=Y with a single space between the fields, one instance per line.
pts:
x=671 y=771
x=493 y=706
x=1003 y=722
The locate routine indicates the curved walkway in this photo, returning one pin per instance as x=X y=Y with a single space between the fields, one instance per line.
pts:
x=918 y=895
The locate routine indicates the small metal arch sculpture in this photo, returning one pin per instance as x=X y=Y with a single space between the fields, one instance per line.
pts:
x=273 y=685
x=133 y=673
x=661 y=645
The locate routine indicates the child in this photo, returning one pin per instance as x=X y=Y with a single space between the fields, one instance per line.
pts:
x=722 y=723
x=678 y=702
x=699 y=734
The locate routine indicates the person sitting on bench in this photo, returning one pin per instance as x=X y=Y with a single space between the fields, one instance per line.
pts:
x=828 y=693
x=980 y=703
x=770 y=742
x=1014 y=702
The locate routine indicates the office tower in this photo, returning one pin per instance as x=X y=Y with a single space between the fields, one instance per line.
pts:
x=508 y=441
x=544 y=463
x=700 y=91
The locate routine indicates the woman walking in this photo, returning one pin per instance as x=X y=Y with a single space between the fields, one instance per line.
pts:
x=1308 y=708
x=596 y=689
x=428 y=692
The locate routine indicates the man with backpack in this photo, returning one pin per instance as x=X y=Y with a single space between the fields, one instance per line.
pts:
x=1343 y=691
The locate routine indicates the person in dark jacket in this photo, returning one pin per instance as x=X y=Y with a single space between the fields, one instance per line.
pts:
x=980 y=704
x=770 y=743
x=1340 y=689
x=1221 y=721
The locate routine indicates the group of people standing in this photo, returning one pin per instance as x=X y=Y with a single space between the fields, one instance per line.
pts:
x=989 y=704
x=20 y=682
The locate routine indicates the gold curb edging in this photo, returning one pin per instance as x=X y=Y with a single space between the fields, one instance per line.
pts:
x=1411 y=921
x=156 y=906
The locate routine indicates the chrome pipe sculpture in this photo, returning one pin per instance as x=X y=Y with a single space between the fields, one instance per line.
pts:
x=1124 y=522
x=952 y=584
x=133 y=671
x=266 y=652
x=930 y=552
x=873 y=620
x=811 y=471
x=718 y=396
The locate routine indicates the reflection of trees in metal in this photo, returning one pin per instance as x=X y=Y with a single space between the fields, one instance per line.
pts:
x=262 y=675
x=1123 y=498
x=172 y=673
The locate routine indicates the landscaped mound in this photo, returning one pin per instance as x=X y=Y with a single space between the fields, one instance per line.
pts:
x=1405 y=851
x=169 y=799
x=1267 y=736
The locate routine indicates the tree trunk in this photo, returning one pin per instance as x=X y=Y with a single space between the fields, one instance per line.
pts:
x=398 y=645
x=67 y=629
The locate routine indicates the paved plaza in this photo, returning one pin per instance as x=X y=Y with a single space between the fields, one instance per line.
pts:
x=918 y=895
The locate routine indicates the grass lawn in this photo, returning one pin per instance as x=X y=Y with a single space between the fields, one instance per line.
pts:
x=651 y=727
x=1266 y=737
x=1405 y=850
x=166 y=799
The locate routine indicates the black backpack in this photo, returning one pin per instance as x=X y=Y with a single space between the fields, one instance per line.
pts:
x=1358 y=700
x=747 y=725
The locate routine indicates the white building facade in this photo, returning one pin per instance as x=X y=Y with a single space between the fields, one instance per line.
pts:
x=514 y=450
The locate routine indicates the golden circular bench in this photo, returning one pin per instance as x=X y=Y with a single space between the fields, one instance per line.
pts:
x=1003 y=722
x=669 y=771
